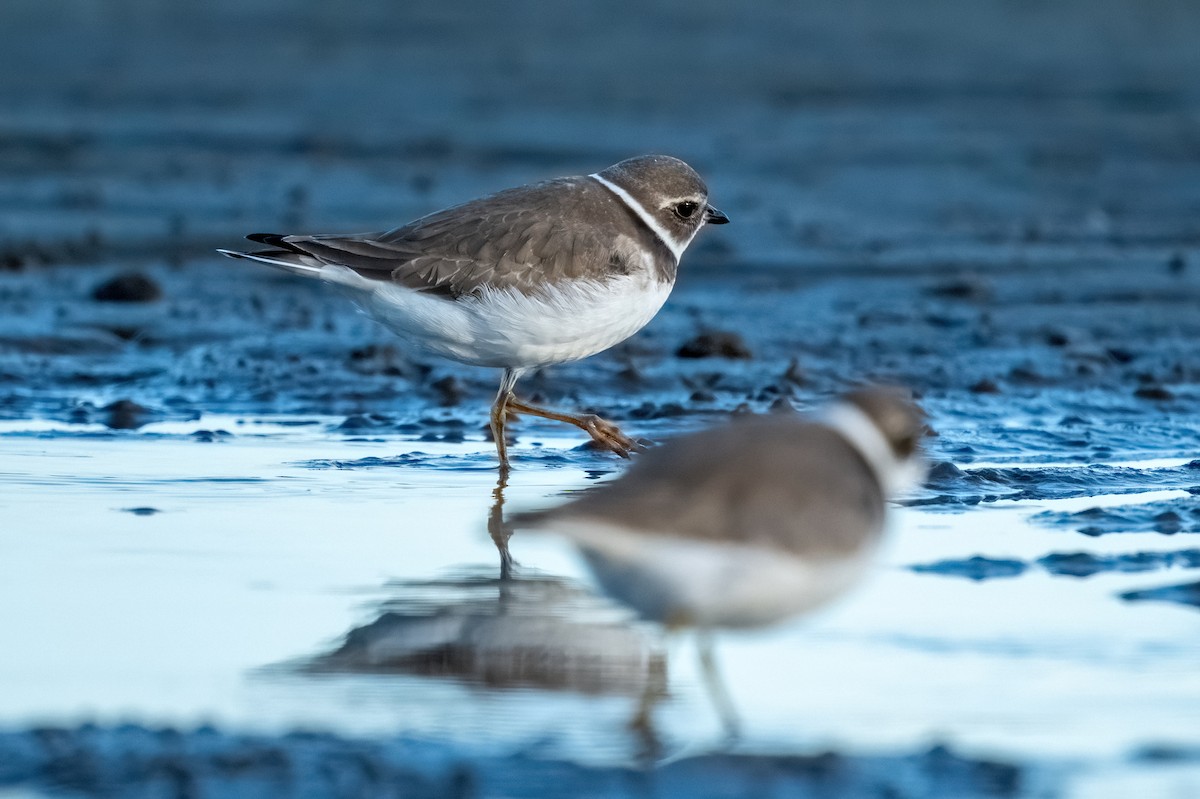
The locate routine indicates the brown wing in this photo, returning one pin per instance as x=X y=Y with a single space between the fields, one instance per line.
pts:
x=784 y=483
x=519 y=239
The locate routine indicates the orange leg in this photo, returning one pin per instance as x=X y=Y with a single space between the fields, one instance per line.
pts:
x=499 y=414
x=604 y=433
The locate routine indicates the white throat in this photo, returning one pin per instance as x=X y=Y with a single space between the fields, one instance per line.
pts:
x=859 y=431
x=676 y=247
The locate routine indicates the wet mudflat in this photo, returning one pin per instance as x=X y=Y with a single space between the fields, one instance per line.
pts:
x=247 y=536
x=324 y=563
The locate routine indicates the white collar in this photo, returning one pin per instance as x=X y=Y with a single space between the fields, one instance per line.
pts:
x=676 y=247
x=860 y=432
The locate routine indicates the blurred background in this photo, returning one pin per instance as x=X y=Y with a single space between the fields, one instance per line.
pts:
x=994 y=202
x=862 y=131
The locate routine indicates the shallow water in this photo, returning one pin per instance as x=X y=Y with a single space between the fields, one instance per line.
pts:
x=230 y=601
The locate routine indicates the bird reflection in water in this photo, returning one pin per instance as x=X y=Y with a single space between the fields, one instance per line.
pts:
x=498 y=529
x=514 y=630
x=534 y=631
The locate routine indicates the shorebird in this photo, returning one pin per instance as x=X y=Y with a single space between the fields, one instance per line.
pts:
x=525 y=278
x=747 y=524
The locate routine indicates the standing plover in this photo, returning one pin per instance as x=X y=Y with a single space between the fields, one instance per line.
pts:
x=747 y=524
x=528 y=277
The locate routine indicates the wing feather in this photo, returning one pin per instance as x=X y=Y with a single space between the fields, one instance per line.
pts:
x=518 y=239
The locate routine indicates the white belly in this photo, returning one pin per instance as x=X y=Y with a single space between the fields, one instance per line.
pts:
x=710 y=584
x=511 y=330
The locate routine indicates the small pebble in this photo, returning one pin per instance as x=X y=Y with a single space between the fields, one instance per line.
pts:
x=1155 y=393
x=125 y=414
x=715 y=344
x=129 y=287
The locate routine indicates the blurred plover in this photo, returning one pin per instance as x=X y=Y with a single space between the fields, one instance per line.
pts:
x=747 y=524
x=525 y=278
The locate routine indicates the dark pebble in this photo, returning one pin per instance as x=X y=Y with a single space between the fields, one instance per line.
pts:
x=386 y=360
x=985 y=386
x=142 y=511
x=961 y=289
x=1156 y=393
x=1028 y=376
x=125 y=414
x=650 y=410
x=1056 y=338
x=715 y=344
x=450 y=391
x=945 y=322
x=356 y=423
x=1168 y=522
x=430 y=421
x=124 y=333
x=944 y=472
x=131 y=287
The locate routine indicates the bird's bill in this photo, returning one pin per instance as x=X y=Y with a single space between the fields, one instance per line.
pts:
x=714 y=217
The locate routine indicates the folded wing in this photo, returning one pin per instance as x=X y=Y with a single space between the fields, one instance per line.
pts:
x=520 y=239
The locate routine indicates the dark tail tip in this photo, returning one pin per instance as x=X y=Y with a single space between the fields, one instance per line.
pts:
x=276 y=240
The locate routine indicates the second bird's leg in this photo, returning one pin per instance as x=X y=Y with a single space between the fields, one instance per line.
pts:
x=603 y=432
x=717 y=692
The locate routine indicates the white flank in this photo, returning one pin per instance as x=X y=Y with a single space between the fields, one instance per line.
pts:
x=711 y=584
x=508 y=329
x=853 y=425
x=676 y=247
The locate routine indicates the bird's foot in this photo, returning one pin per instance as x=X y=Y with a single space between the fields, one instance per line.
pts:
x=609 y=436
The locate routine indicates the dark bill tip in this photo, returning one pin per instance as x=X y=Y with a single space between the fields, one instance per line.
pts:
x=714 y=217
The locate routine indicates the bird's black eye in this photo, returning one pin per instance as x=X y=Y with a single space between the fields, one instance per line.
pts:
x=686 y=208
